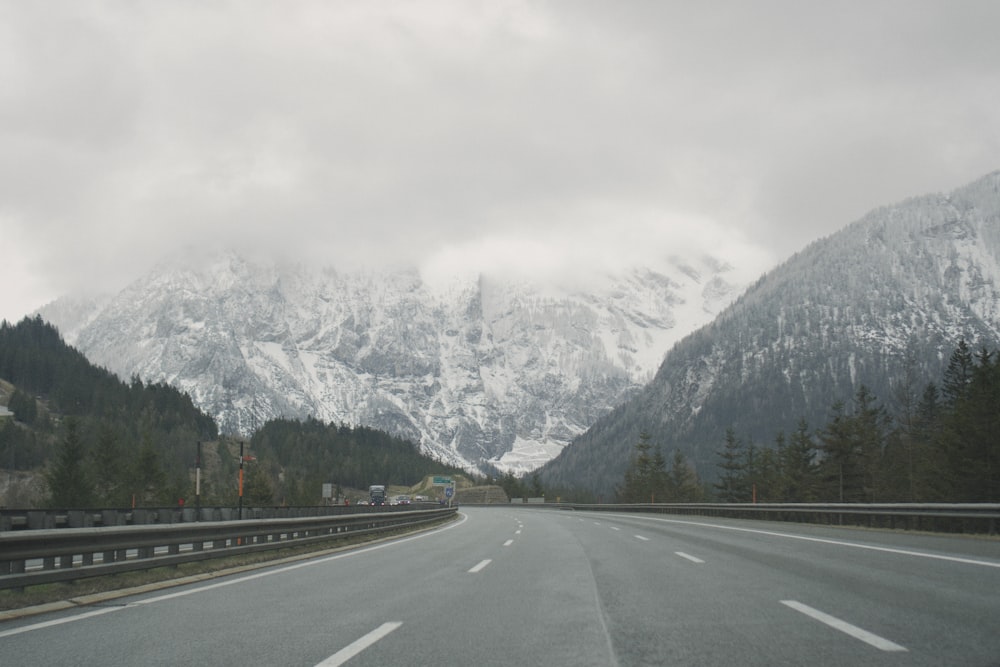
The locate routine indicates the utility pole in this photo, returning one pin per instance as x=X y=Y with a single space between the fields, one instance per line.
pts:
x=241 y=480
x=197 y=484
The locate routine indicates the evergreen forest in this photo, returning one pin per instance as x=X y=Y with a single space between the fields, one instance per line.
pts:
x=941 y=444
x=101 y=442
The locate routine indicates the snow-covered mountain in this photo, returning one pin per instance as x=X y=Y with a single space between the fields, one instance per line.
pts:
x=474 y=369
x=883 y=303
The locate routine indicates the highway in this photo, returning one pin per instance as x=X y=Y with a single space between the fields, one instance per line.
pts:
x=532 y=586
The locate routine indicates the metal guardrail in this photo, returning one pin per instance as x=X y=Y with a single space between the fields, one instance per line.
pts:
x=69 y=554
x=41 y=519
x=935 y=517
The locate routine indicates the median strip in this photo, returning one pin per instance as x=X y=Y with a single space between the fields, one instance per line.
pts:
x=854 y=631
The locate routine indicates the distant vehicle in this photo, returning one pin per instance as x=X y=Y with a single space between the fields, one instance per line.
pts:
x=401 y=500
x=376 y=494
x=420 y=499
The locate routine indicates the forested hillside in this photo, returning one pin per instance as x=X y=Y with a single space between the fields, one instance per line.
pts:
x=305 y=455
x=881 y=304
x=100 y=439
x=99 y=442
x=939 y=444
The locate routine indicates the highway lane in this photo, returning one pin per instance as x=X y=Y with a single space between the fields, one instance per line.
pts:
x=770 y=590
x=510 y=585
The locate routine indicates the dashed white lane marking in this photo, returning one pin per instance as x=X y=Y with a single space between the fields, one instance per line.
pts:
x=359 y=645
x=479 y=566
x=854 y=631
x=691 y=558
x=508 y=543
x=517 y=532
x=615 y=528
x=821 y=540
x=640 y=537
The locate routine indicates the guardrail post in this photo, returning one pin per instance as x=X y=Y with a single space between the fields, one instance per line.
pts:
x=13 y=567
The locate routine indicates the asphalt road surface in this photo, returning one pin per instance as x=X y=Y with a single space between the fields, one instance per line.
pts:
x=532 y=586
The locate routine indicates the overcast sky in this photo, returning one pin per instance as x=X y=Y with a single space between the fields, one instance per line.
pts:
x=473 y=134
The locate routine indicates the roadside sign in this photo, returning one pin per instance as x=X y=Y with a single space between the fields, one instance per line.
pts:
x=448 y=492
x=442 y=481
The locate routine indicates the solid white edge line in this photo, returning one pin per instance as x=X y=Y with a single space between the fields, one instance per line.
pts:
x=359 y=645
x=480 y=565
x=59 y=621
x=237 y=580
x=822 y=540
x=691 y=558
x=854 y=631
x=301 y=564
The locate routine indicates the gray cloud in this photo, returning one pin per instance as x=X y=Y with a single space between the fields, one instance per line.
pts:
x=465 y=132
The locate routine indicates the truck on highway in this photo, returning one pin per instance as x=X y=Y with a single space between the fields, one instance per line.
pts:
x=376 y=494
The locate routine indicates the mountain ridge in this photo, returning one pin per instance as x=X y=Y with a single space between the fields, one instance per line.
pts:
x=886 y=297
x=476 y=369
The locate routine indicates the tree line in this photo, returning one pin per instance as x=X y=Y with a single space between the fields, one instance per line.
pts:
x=300 y=456
x=649 y=478
x=102 y=441
x=940 y=444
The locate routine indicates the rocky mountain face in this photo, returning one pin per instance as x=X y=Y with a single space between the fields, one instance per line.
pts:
x=882 y=303
x=476 y=370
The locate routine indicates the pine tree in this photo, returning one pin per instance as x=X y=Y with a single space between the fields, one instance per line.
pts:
x=870 y=424
x=70 y=486
x=970 y=426
x=929 y=477
x=109 y=470
x=683 y=484
x=257 y=488
x=768 y=481
x=731 y=486
x=798 y=466
x=959 y=373
x=840 y=468
x=645 y=477
x=148 y=480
